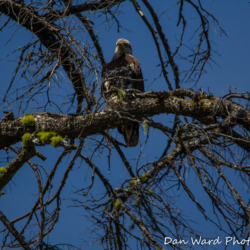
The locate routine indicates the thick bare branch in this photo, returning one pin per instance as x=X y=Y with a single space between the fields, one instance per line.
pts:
x=163 y=102
x=15 y=165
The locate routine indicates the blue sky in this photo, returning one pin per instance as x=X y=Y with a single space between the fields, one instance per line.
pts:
x=231 y=69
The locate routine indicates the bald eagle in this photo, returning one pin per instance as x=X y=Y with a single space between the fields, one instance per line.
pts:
x=126 y=66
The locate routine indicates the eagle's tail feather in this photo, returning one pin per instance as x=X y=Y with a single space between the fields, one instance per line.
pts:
x=130 y=132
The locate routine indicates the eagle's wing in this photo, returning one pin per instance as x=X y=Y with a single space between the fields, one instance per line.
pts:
x=136 y=72
x=130 y=130
x=129 y=68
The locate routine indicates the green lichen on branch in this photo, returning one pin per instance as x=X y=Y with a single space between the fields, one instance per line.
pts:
x=45 y=136
x=25 y=140
x=3 y=170
x=145 y=126
x=144 y=178
x=121 y=94
x=117 y=205
x=56 y=141
x=132 y=182
x=151 y=192
x=28 y=121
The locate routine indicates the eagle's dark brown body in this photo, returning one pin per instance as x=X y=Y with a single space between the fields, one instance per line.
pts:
x=127 y=67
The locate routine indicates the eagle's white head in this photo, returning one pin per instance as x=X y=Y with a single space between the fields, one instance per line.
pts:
x=123 y=46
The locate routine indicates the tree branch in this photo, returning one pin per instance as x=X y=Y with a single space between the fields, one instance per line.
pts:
x=160 y=102
x=14 y=232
